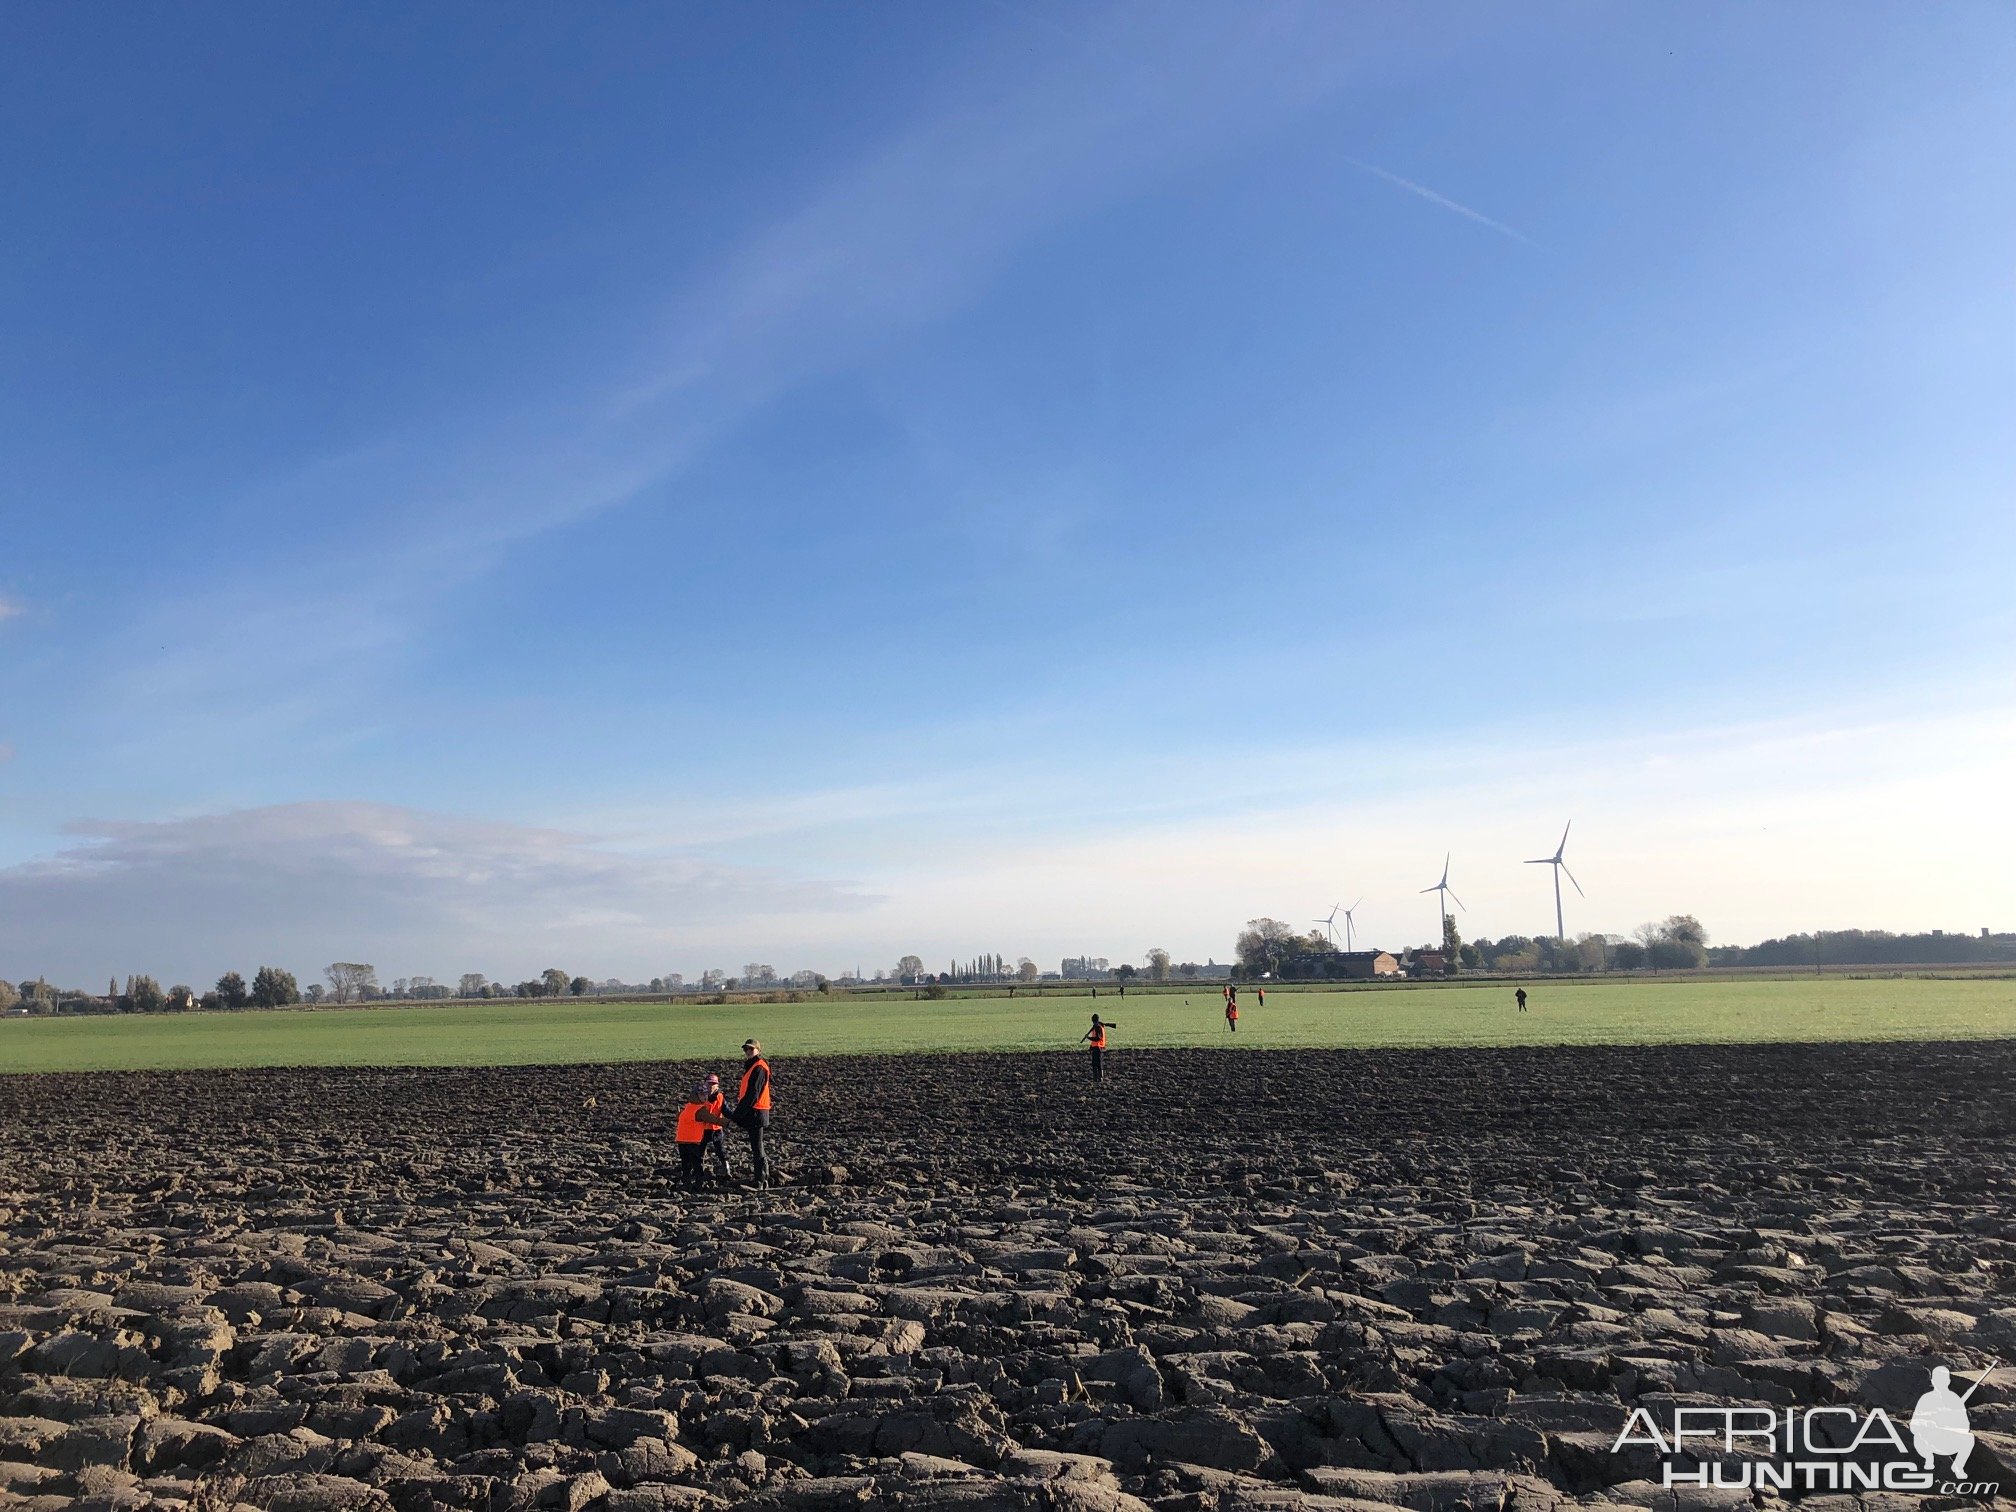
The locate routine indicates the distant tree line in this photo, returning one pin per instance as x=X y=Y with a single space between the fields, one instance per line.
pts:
x=1269 y=947
x=1871 y=947
x=1265 y=946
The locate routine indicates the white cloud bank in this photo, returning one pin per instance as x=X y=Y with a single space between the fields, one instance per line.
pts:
x=299 y=885
x=1760 y=828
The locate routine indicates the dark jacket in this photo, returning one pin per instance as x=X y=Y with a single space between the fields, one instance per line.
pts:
x=746 y=1113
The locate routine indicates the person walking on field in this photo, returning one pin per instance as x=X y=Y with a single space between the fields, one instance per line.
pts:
x=1096 y=1038
x=699 y=1121
x=1231 y=1015
x=1261 y=994
x=1520 y=998
x=752 y=1108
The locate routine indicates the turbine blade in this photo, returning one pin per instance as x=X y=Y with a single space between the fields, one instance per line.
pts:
x=1571 y=878
x=1543 y=861
x=1354 y=906
x=1459 y=901
x=1562 y=848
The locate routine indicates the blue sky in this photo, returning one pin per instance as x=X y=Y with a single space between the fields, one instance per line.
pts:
x=656 y=488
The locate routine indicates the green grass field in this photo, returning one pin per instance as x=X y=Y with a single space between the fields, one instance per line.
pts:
x=551 y=1032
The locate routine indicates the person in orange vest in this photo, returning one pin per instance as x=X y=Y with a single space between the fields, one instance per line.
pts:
x=717 y=1132
x=1261 y=993
x=1231 y=1015
x=700 y=1119
x=1096 y=1038
x=752 y=1108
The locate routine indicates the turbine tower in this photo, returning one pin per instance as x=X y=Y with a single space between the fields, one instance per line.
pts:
x=1442 y=903
x=1560 y=866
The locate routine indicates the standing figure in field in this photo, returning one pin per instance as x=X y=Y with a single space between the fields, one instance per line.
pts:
x=1520 y=998
x=1939 y=1422
x=752 y=1108
x=1231 y=1015
x=698 y=1122
x=1096 y=1038
x=1260 y=993
x=716 y=1138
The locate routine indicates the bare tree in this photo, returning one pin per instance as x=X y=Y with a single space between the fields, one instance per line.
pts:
x=910 y=966
x=1025 y=970
x=1158 y=965
x=1651 y=936
x=350 y=980
x=555 y=981
x=473 y=983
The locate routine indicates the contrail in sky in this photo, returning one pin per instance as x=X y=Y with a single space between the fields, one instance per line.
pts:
x=1444 y=201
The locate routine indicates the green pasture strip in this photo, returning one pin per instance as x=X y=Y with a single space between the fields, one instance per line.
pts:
x=563 y=1031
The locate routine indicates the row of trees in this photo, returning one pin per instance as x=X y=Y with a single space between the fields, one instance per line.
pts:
x=1870 y=947
x=1678 y=943
x=271 y=988
x=1270 y=947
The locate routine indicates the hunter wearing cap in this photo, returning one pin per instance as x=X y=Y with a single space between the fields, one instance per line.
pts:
x=752 y=1107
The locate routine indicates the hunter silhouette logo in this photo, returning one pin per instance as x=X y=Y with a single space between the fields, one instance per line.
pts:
x=1831 y=1448
x=1939 y=1422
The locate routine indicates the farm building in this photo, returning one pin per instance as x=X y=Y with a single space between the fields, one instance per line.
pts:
x=1364 y=965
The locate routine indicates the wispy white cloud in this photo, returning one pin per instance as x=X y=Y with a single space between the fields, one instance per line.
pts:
x=1759 y=828
x=10 y=608
x=911 y=228
x=1435 y=198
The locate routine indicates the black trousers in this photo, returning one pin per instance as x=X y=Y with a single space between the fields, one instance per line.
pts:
x=716 y=1142
x=759 y=1158
x=1098 y=1064
x=689 y=1165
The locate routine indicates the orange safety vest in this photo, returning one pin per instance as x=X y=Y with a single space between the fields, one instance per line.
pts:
x=1099 y=1039
x=690 y=1130
x=762 y=1103
x=1231 y=1010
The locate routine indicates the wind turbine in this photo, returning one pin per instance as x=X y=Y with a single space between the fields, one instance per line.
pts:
x=1560 y=866
x=1347 y=924
x=1329 y=922
x=1442 y=910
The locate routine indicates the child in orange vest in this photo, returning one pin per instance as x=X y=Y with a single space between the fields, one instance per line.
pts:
x=698 y=1119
